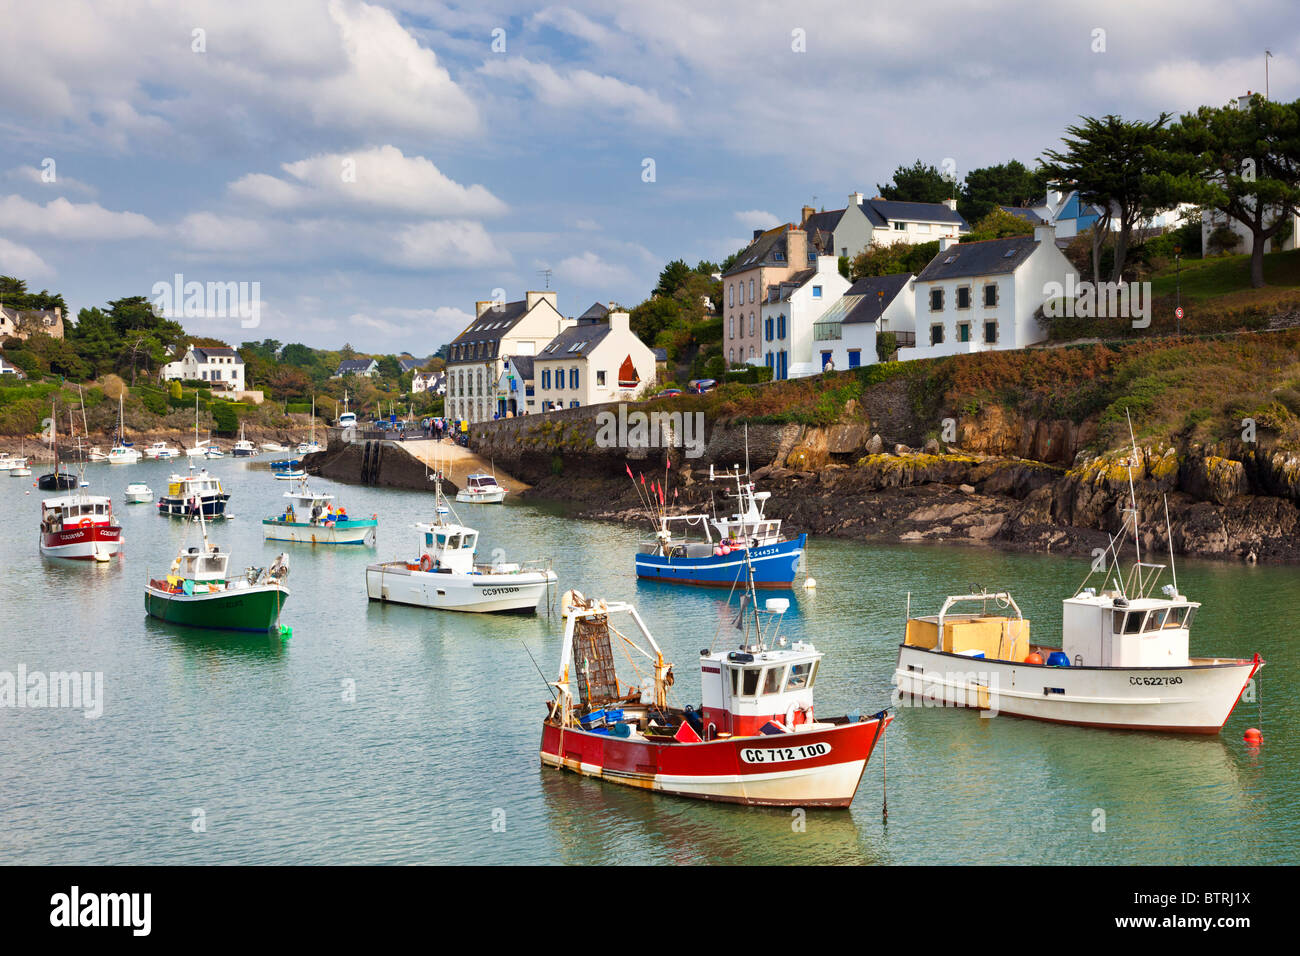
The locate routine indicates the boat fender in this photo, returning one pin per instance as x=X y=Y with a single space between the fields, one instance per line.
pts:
x=426 y=563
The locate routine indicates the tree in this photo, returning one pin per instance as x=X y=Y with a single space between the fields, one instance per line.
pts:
x=893 y=259
x=1007 y=184
x=1115 y=165
x=919 y=183
x=653 y=316
x=672 y=277
x=998 y=224
x=1245 y=163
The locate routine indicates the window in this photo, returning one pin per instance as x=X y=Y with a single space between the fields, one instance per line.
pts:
x=1176 y=616
x=731 y=295
x=772 y=680
x=751 y=323
x=767 y=359
x=731 y=327
x=780 y=326
x=573 y=379
x=963 y=331
x=991 y=332
x=751 y=290
x=546 y=378
x=817 y=292
x=990 y=295
x=844 y=250
x=749 y=686
x=855 y=358
x=899 y=227
x=600 y=378
x=936 y=300
x=731 y=356
x=800 y=676
x=751 y=351
x=767 y=329
x=936 y=334
x=963 y=297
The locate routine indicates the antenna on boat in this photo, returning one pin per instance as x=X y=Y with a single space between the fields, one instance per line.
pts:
x=746 y=448
x=1169 y=533
x=1132 y=493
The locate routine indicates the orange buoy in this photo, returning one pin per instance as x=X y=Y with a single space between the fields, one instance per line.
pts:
x=1253 y=737
x=1034 y=658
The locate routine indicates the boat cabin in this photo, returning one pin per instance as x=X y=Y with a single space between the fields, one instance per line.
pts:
x=201 y=567
x=203 y=484
x=60 y=513
x=481 y=483
x=746 y=689
x=1108 y=630
x=448 y=548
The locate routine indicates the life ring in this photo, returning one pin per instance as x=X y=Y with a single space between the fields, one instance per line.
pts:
x=789 y=715
x=85 y=522
x=426 y=563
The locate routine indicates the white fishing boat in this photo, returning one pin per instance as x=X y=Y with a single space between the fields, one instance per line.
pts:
x=81 y=527
x=8 y=461
x=1123 y=660
x=122 y=452
x=445 y=576
x=190 y=495
x=20 y=470
x=243 y=448
x=161 y=451
x=213 y=451
x=138 y=493
x=311 y=517
x=481 y=489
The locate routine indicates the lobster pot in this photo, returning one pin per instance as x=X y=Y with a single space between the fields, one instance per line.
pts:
x=597 y=683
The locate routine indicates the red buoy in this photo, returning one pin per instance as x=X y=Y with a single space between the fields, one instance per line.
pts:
x=1253 y=737
x=1034 y=658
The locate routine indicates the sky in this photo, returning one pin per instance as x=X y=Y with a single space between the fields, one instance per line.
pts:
x=371 y=170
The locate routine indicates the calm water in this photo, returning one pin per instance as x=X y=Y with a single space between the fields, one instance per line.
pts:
x=442 y=737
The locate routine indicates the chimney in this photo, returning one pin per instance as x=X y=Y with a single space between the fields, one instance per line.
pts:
x=1045 y=232
x=535 y=297
x=947 y=242
x=855 y=199
x=757 y=233
x=796 y=248
x=805 y=214
x=619 y=322
x=951 y=204
x=481 y=307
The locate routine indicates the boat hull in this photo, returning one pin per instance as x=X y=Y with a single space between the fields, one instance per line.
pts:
x=362 y=531
x=775 y=566
x=481 y=498
x=91 y=543
x=1196 y=699
x=60 y=481
x=814 y=768
x=254 y=608
x=214 y=506
x=396 y=582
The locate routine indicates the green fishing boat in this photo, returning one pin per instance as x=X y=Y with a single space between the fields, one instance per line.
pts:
x=198 y=591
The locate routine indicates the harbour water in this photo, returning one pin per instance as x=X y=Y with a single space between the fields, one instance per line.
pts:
x=388 y=734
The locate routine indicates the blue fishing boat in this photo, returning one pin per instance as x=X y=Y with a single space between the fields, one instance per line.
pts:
x=716 y=557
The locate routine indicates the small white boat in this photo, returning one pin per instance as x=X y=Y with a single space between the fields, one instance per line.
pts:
x=313 y=518
x=274 y=448
x=213 y=451
x=122 y=452
x=200 y=448
x=95 y=454
x=310 y=446
x=138 y=493
x=444 y=575
x=20 y=470
x=243 y=448
x=161 y=451
x=481 y=490
x=10 y=461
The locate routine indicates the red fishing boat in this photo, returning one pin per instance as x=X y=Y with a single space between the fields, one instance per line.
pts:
x=80 y=526
x=755 y=739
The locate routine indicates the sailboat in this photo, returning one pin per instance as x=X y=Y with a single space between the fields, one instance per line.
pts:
x=310 y=446
x=200 y=449
x=58 y=479
x=198 y=591
x=122 y=452
x=243 y=448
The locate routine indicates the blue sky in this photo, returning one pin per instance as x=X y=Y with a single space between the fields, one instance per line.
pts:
x=378 y=168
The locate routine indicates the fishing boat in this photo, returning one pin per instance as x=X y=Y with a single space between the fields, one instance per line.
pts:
x=8 y=461
x=80 y=527
x=123 y=452
x=96 y=455
x=20 y=470
x=138 y=493
x=720 y=550
x=481 y=489
x=755 y=739
x=1122 y=662
x=243 y=448
x=311 y=517
x=213 y=451
x=198 y=591
x=189 y=496
x=445 y=576
x=161 y=451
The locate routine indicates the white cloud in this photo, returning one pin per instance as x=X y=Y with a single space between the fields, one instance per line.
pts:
x=757 y=219
x=583 y=89
x=31 y=175
x=591 y=270
x=62 y=219
x=446 y=244
x=381 y=178
x=21 y=262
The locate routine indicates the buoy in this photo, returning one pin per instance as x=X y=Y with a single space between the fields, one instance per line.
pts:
x=286 y=632
x=1253 y=737
x=810 y=583
x=1034 y=658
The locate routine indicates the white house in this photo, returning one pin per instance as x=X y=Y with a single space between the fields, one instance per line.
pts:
x=435 y=382
x=515 y=392
x=979 y=296
x=845 y=335
x=847 y=231
x=592 y=363
x=788 y=315
x=365 y=367
x=1212 y=219
x=221 y=366
x=476 y=358
x=8 y=368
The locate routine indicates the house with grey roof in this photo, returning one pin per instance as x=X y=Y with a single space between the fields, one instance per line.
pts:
x=791 y=310
x=846 y=334
x=1061 y=208
x=769 y=259
x=980 y=296
x=20 y=323
x=476 y=358
x=364 y=367
x=220 y=365
x=593 y=363
x=847 y=231
x=10 y=369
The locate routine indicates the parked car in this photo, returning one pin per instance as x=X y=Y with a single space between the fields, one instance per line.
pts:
x=669 y=393
x=701 y=385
